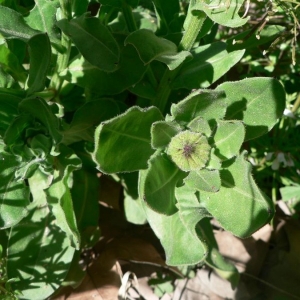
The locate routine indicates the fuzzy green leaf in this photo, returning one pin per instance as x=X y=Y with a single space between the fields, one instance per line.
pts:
x=88 y=76
x=214 y=259
x=225 y=13
x=162 y=133
x=209 y=63
x=87 y=117
x=14 y=195
x=59 y=196
x=39 y=109
x=47 y=247
x=178 y=233
x=159 y=185
x=204 y=180
x=12 y=25
x=258 y=102
x=94 y=41
x=123 y=144
x=8 y=110
x=40 y=58
x=238 y=193
x=150 y=47
x=228 y=138
x=207 y=104
x=43 y=18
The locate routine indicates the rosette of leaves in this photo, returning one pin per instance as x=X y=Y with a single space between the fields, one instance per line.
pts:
x=192 y=166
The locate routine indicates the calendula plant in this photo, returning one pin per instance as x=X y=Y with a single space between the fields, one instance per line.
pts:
x=128 y=91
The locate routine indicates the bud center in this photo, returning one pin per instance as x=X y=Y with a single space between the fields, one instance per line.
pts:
x=188 y=150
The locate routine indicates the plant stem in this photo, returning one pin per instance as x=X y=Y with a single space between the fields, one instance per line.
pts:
x=296 y=104
x=127 y=13
x=63 y=57
x=186 y=43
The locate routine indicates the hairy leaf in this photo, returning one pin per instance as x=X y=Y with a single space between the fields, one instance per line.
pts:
x=122 y=144
x=258 y=102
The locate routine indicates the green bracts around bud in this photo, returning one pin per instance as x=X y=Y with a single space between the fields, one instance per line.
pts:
x=189 y=150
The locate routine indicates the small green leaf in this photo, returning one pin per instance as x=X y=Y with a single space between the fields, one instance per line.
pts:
x=228 y=138
x=10 y=63
x=201 y=125
x=43 y=18
x=87 y=117
x=122 y=144
x=258 y=102
x=14 y=195
x=207 y=104
x=150 y=47
x=39 y=109
x=238 y=193
x=94 y=41
x=40 y=58
x=85 y=200
x=59 y=195
x=162 y=133
x=36 y=248
x=12 y=25
x=225 y=13
x=290 y=193
x=204 y=180
x=134 y=211
x=209 y=63
x=159 y=185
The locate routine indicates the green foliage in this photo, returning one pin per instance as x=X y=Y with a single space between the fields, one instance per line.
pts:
x=137 y=91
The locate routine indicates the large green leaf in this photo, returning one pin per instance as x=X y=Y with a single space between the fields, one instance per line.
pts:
x=59 y=196
x=43 y=18
x=12 y=25
x=224 y=12
x=181 y=246
x=207 y=104
x=88 y=76
x=40 y=58
x=159 y=185
x=177 y=233
x=14 y=195
x=150 y=47
x=39 y=254
x=258 y=102
x=94 y=41
x=239 y=206
x=122 y=144
x=209 y=63
x=87 y=117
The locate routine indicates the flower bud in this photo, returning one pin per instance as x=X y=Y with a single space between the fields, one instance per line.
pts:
x=189 y=150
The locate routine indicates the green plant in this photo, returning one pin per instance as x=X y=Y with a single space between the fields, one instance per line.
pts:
x=130 y=68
